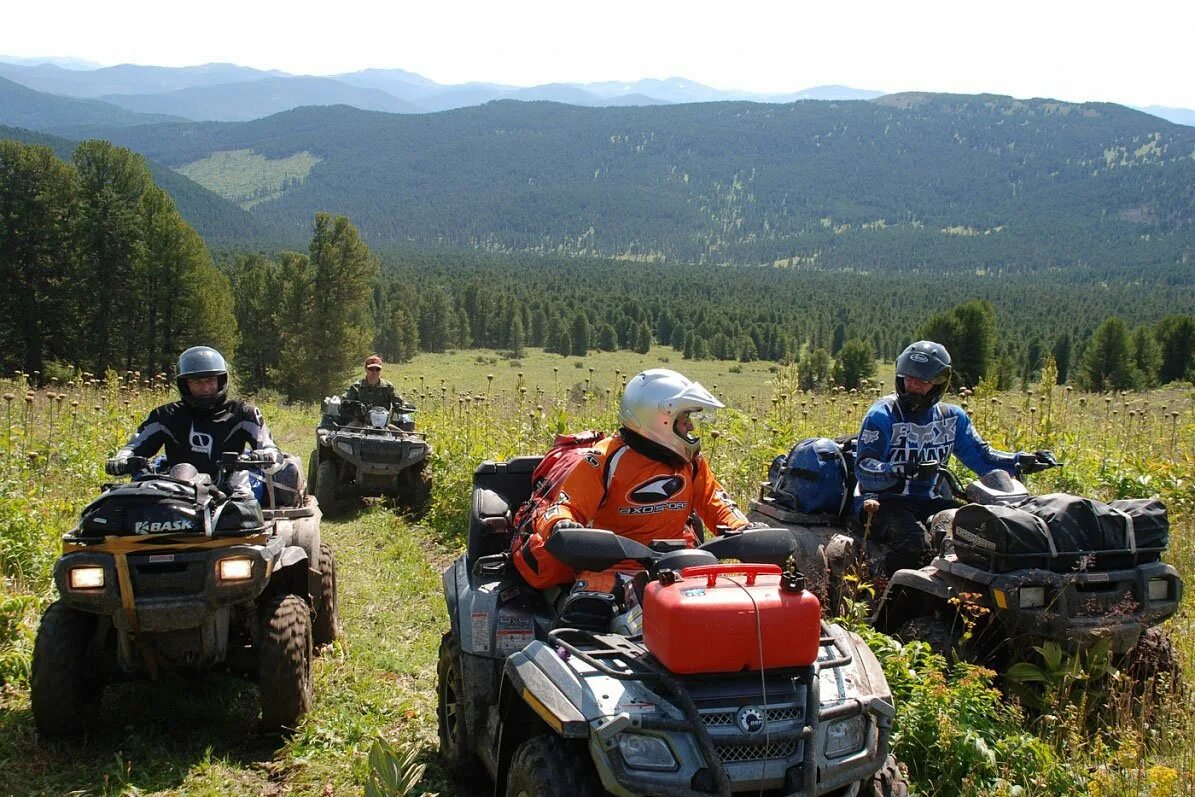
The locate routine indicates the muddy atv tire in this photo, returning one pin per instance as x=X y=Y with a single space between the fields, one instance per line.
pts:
x=64 y=689
x=415 y=492
x=1152 y=665
x=312 y=471
x=284 y=662
x=326 y=626
x=459 y=761
x=888 y=782
x=942 y=637
x=325 y=487
x=548 y=766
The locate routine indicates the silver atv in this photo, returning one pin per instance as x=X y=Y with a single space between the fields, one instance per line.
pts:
x=538 y=695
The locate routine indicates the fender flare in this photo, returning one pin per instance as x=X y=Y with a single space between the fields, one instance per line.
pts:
x=907 y=593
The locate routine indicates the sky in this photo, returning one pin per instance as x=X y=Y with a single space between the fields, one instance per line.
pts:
x=1132 y=53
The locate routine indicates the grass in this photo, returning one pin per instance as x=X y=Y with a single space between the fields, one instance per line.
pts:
x=194 y=736
x=249 y=179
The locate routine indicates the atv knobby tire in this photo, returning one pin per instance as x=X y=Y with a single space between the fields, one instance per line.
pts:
x=888 y=782
x=325 y=486
x=326 y=626
x=548 y=766
x=312 y=471
x=942 y=637
x=1152 y=665
x=415 y=490
x=459 y=760
x=284 y=662
x=64 y=689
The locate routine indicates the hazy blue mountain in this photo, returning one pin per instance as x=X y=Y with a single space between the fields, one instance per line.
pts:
x=36 y=110
x=399 y=82
x=962 y=182
x=65 y=63
x=1180 y=116
x=218 y=221
x=127 y=78
x=236 y=102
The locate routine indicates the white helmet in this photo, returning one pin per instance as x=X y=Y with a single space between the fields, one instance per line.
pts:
x=655 y=399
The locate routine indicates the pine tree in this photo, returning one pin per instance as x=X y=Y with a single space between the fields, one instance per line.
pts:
x=643 y=338
x=814 y=370
x=1108 y=358
x=579 y=335
x=1062 y=356
x=1176 y=341
x=1147 y=356
x=855 y=362
x=517 y=342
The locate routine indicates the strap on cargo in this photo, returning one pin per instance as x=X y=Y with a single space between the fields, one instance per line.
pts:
x=1049 y=536
x=1130 y=532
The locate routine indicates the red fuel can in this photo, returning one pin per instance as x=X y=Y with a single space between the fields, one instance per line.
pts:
x=706 y=620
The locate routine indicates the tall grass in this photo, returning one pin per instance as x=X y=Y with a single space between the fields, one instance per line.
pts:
x=956 y=732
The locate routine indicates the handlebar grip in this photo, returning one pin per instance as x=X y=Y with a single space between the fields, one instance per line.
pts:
x=711 y=572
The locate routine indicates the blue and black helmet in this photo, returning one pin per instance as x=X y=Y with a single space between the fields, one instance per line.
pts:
x=199 y=362
x=929 y=362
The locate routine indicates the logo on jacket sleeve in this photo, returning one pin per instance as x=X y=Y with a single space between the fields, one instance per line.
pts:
x=657 y=490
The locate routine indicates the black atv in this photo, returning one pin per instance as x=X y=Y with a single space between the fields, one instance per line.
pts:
x=551 y=694
x=170 y=571
x=377 y=452
x=1077 y=581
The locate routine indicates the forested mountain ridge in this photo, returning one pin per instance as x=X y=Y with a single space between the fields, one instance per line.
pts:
x=24 y=107
x=217 y=220
x=926 y=181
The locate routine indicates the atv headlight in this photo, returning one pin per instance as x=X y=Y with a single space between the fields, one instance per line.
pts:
x=640 y=751
x=1033 y=597
x=344 y=447
x=235 y=568
x=86 y=577
x=1159 y=589
x=846 y=736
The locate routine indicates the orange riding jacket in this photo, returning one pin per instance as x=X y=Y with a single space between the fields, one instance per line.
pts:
x=615 y=487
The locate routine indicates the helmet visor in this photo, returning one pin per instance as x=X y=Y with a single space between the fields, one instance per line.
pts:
x=937 y=379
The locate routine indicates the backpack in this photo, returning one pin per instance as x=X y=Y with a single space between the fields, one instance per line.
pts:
x=814 y=477
x=567 y=450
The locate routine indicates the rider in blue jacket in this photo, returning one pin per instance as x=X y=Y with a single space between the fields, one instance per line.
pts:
x=909 y=427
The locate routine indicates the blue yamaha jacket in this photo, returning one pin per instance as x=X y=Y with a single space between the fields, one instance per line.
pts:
x=889 y=438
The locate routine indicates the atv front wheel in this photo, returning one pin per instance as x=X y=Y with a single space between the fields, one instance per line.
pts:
x=326 y=626
x=1152 y=665
x=416 y=491
x=888 y=782
x=325 y=487
x=65 y=689
x=284 y=662
x=548 y=766
x=943 y=638
x=458 y=758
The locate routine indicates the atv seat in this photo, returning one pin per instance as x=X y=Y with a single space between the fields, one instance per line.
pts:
x=499 y=488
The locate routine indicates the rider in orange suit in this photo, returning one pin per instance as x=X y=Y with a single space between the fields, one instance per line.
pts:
x=643 y=483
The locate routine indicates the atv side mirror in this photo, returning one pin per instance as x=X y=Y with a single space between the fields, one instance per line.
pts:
x=766 y=546
x=595 y=549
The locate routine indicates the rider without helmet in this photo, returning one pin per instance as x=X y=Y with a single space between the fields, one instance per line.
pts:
x=659 y=404
x=924 y=361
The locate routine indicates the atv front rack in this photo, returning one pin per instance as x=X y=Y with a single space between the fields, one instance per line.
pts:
x=625 y=658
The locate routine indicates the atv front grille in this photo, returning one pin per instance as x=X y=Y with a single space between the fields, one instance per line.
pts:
x=166 y=578
x=726 y=719
x=389 y=452
x=734 y=753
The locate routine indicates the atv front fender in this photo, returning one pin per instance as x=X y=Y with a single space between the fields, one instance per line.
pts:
x=909 y=592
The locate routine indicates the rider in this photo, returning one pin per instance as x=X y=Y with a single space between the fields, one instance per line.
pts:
x=643 y=483
x=370 y=391
x=909 y=427
x=202 y=425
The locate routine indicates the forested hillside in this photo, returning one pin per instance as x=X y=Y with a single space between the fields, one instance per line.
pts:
x=918 y=181
x=23 y=107
x=218 y=221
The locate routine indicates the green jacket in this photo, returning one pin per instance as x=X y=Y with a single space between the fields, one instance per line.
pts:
x=380 y=395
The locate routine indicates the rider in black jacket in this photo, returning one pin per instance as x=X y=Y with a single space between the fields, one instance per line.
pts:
x=203 y=424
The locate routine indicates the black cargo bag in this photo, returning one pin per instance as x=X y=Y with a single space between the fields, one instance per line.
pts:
x=149 y=507
x=1001 y=538
x=1151 y=527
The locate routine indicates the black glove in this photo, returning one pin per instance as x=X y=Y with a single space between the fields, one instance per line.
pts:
x=1036 y=462
x=269 y=454
x=566 y=523
x=118 y=465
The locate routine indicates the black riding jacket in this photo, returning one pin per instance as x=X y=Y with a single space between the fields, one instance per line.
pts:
x=200 y=438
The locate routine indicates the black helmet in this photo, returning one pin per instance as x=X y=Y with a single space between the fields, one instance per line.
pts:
x=929 y=362
x=198 y=362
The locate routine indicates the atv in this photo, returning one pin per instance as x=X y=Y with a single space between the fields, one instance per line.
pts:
x=169 y=571
x=378 y=452
x=664 y=690
x=1013 y=596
